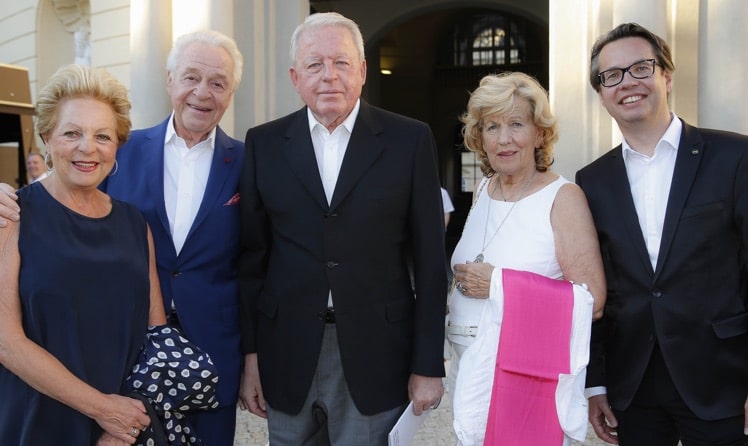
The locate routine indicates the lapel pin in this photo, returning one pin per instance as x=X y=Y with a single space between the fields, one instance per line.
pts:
x=694 y=151
x=228 y=160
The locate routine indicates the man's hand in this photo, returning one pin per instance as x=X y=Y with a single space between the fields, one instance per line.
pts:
x=9 y=209
x=250 y=390
x=425 y=392
x=602 y=419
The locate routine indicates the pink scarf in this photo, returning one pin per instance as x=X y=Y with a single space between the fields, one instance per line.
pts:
x=534 y=348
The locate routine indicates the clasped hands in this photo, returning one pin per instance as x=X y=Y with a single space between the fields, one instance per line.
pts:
x=473 y=279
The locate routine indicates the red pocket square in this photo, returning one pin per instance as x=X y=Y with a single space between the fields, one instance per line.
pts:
x=233 y=200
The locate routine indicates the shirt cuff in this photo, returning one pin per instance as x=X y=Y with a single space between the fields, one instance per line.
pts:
x=594 y=391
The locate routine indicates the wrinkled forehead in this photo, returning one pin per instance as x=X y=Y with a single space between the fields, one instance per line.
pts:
x=204 y=57
x=327 y=40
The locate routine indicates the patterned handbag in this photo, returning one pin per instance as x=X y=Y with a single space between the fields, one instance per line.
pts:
x=175 y=377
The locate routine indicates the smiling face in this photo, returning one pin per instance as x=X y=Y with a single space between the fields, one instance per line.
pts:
x=510 y=140
x=328 y=73
x=83 y=144
x=635 y=101
x=200 y=89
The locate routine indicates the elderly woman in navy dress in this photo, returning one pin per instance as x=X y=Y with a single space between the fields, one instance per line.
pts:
x=78 y=286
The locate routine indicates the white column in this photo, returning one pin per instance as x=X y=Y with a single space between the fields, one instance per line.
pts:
x=190 y=15
x=263 y=33
x=651 y=14
x=573 y=101
x=150 y=41
x=684 y=43
x=723 y=46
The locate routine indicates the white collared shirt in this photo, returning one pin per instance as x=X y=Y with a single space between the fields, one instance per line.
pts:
x=186 y=173
x=329 y=148
x=650 y=179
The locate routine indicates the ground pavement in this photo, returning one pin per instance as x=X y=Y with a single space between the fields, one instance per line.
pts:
x=436 y=430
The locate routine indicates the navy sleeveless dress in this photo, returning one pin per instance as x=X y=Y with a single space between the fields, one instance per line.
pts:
x=84 y=291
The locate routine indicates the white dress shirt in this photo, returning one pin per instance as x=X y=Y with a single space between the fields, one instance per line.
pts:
x=650 y=179
x=329 y=149
x=186 y=171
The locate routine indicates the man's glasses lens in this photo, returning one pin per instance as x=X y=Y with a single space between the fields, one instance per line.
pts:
x=639 y=70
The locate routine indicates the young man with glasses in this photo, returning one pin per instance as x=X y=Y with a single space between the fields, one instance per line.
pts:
x=669 y=359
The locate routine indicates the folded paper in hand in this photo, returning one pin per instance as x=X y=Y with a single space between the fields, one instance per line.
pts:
x=406 y=427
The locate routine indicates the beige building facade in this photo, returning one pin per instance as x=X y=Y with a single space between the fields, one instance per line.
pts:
x=131 y=39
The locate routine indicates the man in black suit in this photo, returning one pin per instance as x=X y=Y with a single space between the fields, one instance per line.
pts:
x=334 y=199
x=669 y=359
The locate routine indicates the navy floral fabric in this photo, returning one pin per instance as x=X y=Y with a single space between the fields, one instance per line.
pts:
x=175 y=377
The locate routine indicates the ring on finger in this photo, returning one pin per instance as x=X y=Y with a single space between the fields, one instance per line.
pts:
x=134 y=432
x=462 y=288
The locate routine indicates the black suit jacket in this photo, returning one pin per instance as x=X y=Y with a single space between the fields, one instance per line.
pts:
x=296 y=248
x=694 y=303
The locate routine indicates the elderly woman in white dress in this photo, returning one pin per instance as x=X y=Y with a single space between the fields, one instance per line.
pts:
x=524 y=216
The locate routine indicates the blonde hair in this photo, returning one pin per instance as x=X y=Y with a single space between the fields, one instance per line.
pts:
x=495 y=96
x=79 y=81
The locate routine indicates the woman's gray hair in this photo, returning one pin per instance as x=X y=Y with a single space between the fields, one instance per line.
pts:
x=208 y=37
x=324 y=19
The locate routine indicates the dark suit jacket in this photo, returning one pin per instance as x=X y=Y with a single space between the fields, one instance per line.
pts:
x=202 y=279
x=694 y=303
x=296 y=247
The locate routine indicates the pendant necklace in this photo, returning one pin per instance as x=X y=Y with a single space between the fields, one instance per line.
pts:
x=479 y=258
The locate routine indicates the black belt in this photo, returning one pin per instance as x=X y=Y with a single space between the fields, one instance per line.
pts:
x=330 y=316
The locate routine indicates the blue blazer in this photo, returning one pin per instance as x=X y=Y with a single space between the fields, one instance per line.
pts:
x=201 y=280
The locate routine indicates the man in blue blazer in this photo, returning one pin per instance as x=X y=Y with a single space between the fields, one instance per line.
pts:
x=183 y=175
x=669 y=359
x=335 y=198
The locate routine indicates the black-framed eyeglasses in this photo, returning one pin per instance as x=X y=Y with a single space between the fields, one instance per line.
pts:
x=638 y=70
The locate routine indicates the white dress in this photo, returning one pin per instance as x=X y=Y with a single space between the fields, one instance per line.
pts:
x=524 y=242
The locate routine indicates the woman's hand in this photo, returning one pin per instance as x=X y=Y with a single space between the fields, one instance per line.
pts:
x=473 y=279
x=107 y=439
x=122 y=418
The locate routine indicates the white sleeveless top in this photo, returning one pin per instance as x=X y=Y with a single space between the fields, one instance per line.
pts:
x=524 y=242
